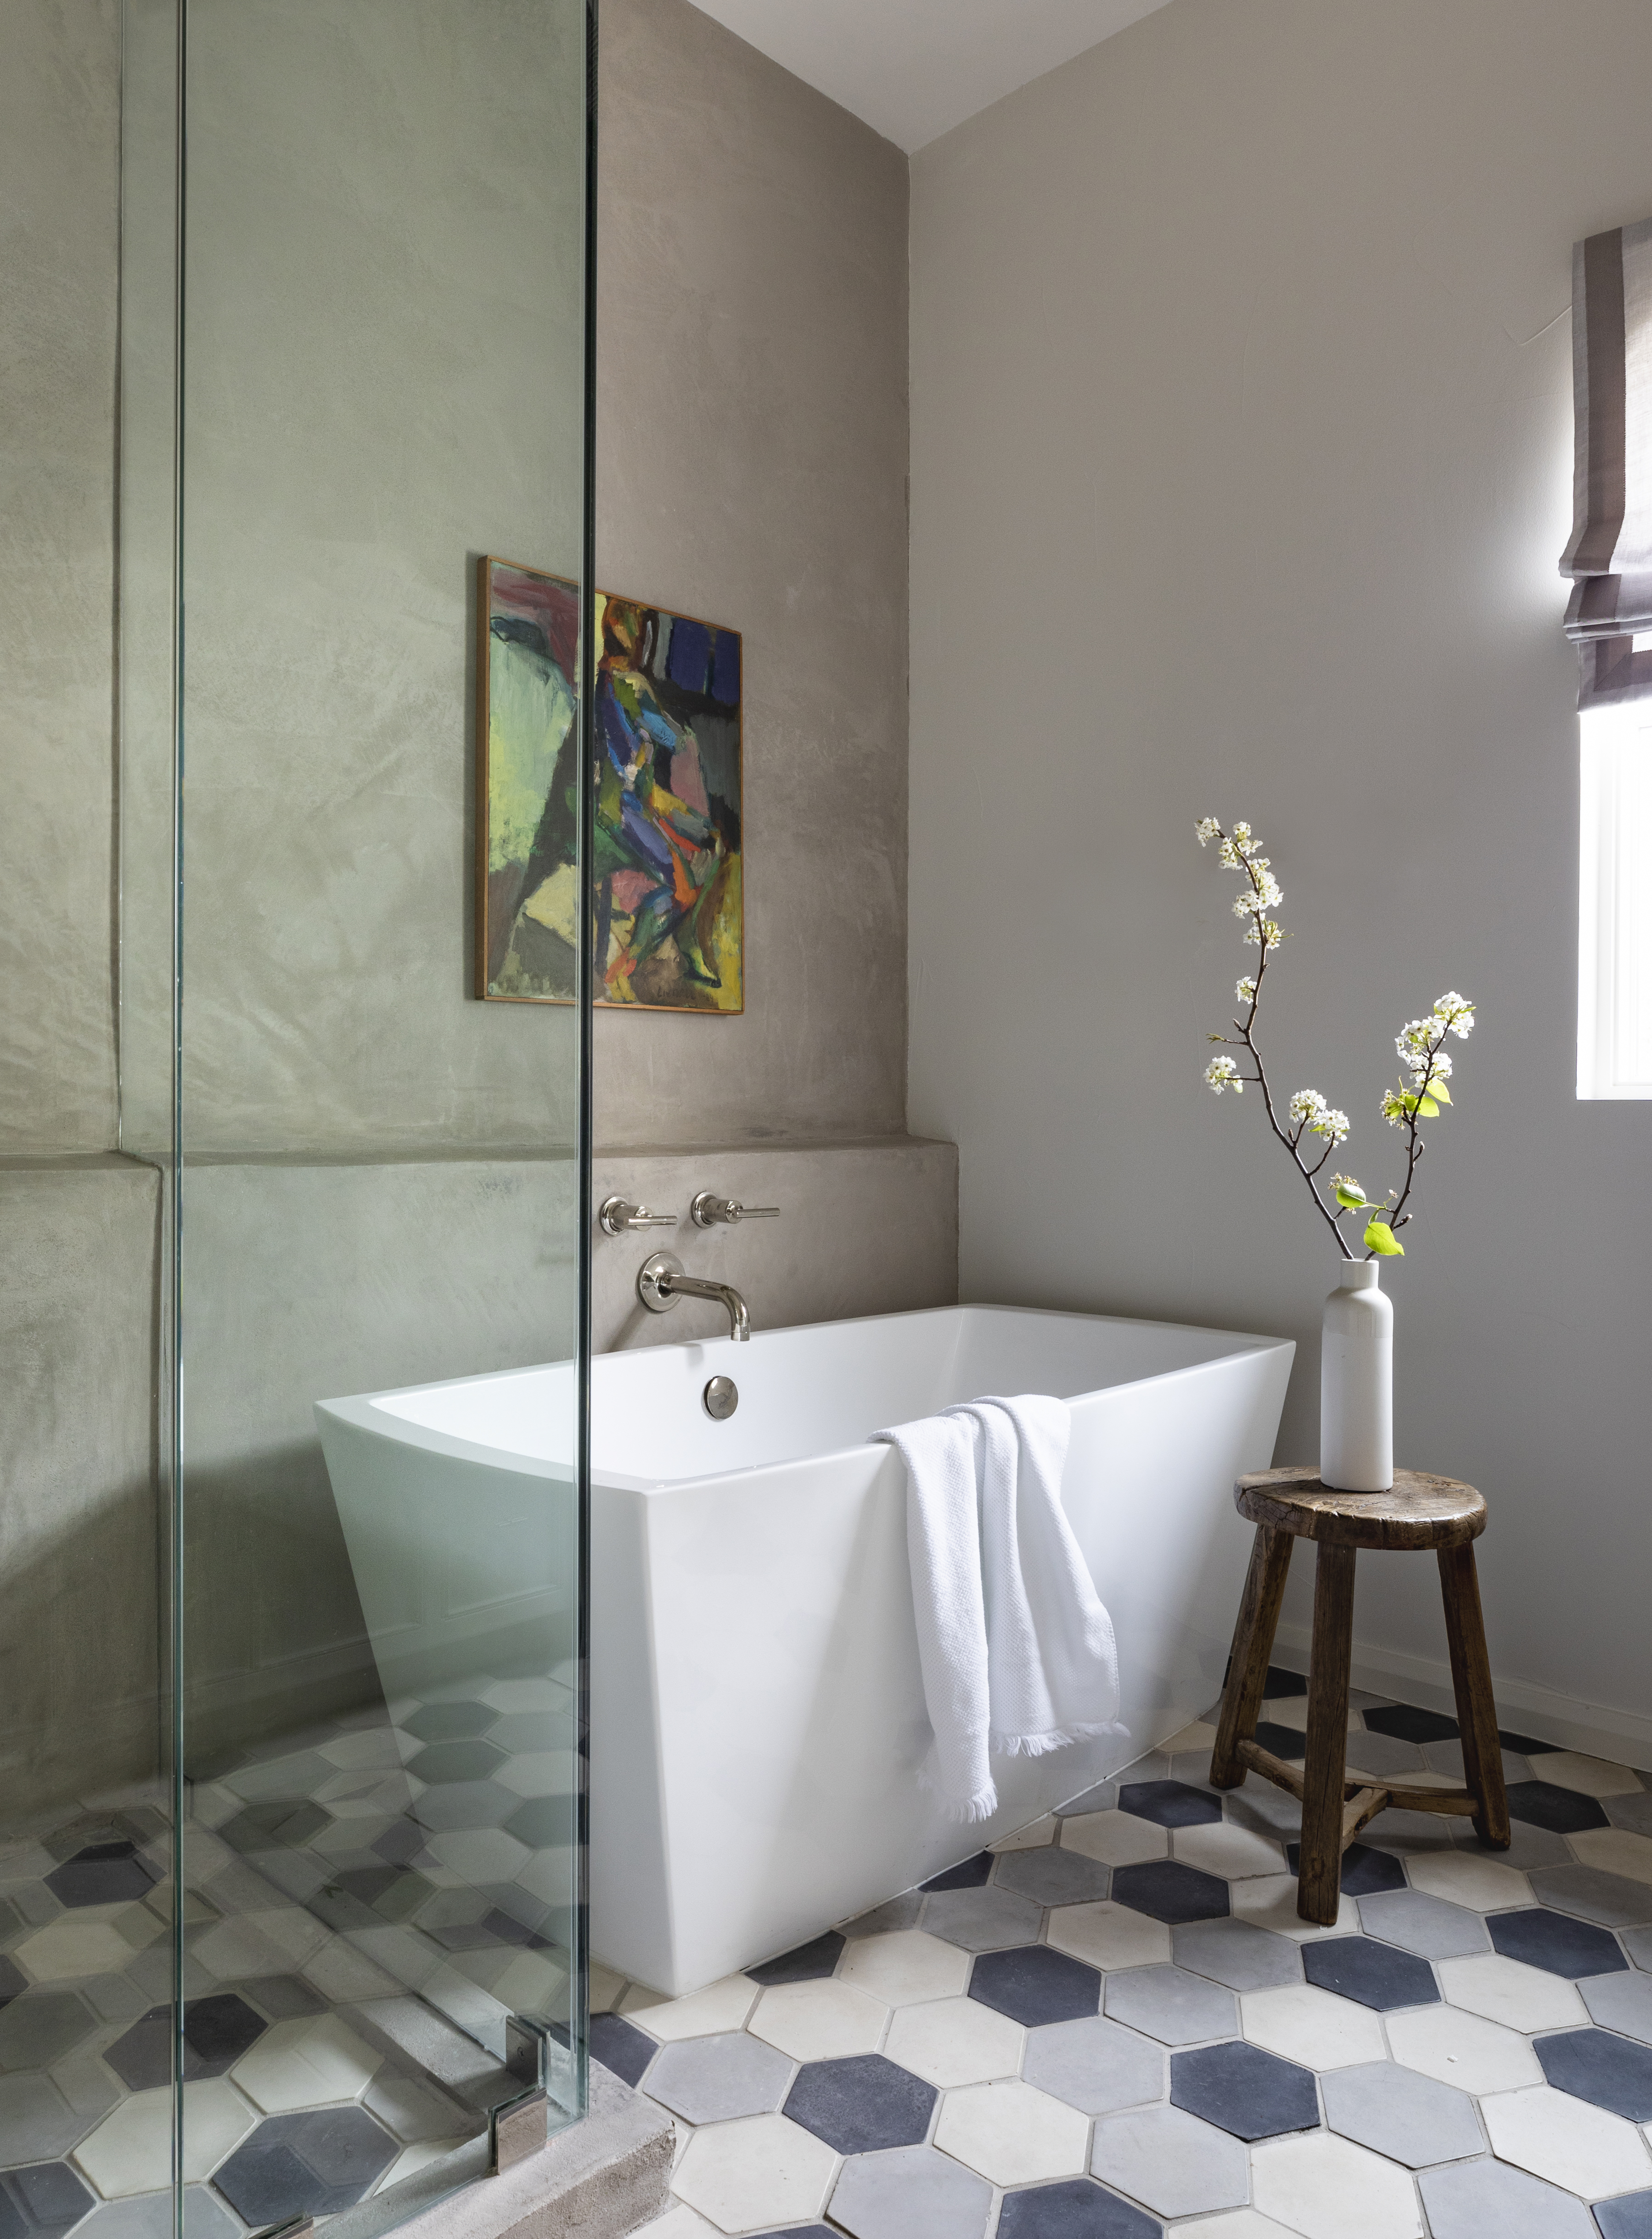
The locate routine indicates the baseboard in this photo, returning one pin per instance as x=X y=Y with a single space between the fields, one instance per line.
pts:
x=1622 y=1736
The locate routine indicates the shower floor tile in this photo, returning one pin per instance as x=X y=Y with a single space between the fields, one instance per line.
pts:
x=1175 y=2055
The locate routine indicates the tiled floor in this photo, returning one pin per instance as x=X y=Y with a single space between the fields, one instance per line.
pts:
x=1114 y=2025
x=365 y=1904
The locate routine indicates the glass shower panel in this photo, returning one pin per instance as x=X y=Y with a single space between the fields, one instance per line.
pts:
x=380 y=1178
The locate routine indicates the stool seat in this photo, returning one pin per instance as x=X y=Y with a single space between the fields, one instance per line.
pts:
x=1418 y=1511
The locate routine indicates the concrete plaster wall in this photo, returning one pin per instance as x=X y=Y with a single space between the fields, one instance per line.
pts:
x=1242 y=447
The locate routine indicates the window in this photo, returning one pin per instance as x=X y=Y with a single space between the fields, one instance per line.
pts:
x=1614 y=912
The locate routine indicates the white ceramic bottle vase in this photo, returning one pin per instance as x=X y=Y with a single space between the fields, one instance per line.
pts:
x=1356 y=1383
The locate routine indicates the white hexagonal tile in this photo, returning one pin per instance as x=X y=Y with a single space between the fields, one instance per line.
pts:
x=1201 y=1735
x=1326 y=2188
x=479 y=1855
x=1235 y=1853
x=1580 y=2148
x=1301 y=2022
x=1240 y=2223
x=131 y=2149
x=1508 y=1990
x=1107 y=1935
x=720 y=2006
x=1467 y=1878
x=1117 y=1838
x=1457 y=2047
x=954 y=2040
x=307 y=2063
x=1168 y=2159
x=905 y=1968
x=1011 y=2134
x=547 y=1772
x=1585 y=1775
x=824 y=2020
x=77 y=1944
x=1616 y=1849
x=1270 y=1901
x=755 y=2173
x=1029 y=1838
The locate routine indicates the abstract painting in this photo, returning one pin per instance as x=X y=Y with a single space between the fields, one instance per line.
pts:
x=669 y=933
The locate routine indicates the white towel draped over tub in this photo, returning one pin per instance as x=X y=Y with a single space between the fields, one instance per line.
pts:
x=1017 y=1652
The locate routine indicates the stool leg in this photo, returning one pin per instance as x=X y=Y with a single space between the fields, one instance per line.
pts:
x=1465 y=1635
x=1259 y=1620
x=1319 y=1864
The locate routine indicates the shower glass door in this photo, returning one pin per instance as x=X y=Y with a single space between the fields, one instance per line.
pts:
x=356 y=278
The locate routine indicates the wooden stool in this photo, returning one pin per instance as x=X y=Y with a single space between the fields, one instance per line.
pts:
x=1418 y=1511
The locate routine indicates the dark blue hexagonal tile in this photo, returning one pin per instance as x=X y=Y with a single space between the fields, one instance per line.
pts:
x=1523 y=1745
x=1033 y=1985
x=1243 y=2089
x=13 y=1981
x=1540 y=1803
x=1378 y=1974
x=621 y=2047
x=216 y=2031
x=807 y=1963
x=1556 y=1943
x=1166 y=1890
x=1281 y=1683
x=43 y=2200
x=449 y=1722
x=103 y=1873
x=1078 y=2208
x=388 y=1892
x=312 y=2165
x=1628 y=2217
x=1365 y=1872
x=1169 y=1803
x=862 y=2105
x=1608 y=2070
x=400 y=1843
x=1286 y=1742
x=969 y=1873
x=1407 y=1724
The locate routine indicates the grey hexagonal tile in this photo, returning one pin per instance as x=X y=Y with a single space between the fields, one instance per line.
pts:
x=887 y=1919
x=1237 y=1953
x=36 y=2122
x=1244 y=2090
x=1171 y=2162
x=451 y=1761
x=449 y=1722
x=982 y=1919
x=1050 y=1876
x=1447 y=1758
x=1622 y=2003
x=1627 y=2217
x=1589 y=1892
x=1489 y=2200
x=1632 y=1813
x=1376 y=1975
x=1103 y=1796
x=281 y=1778
x=545 y=1822
x=1427 y=1925
x=312 y=2164
x=715 y=2079
x=103 y=1873
x=1169 y=2004
x=1397 y=2111
x=1601 y=2068
x=861 y=2104
x=45 y=2200
x=1385 y=1755
x=1076 y=2208
x=1096 y=2065
x=39 y=2028
x=912 y=2192
x=467 y=1804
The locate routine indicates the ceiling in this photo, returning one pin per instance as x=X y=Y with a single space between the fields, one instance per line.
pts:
x=912 y=69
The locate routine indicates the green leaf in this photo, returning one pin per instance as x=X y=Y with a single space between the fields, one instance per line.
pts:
x=1429 y=1108
x=1438 y=1089
x=1351 y=1199
x=1380 y=1238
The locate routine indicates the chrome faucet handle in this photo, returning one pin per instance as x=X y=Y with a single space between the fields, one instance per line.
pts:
x=615 y=1216
x=707 y=1210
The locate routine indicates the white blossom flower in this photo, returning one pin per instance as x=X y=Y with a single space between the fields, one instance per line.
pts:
x=1244 y=990
x=1261 y=932
x=1222 y=1073
x=1347 y=1182
x=1456 y=1014
x=1309 y=1109
x=1394 y=1109
x=1208 y=829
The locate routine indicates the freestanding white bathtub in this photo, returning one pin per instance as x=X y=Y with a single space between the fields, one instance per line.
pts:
x=757 y=1713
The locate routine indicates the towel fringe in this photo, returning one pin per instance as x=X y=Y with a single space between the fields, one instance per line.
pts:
x=1063 y=1738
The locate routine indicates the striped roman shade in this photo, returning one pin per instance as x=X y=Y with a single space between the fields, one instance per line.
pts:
x=1609 y=554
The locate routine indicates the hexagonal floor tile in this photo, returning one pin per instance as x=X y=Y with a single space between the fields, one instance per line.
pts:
x=622 y=2048
x=1556 y=1943
x=1053 y=1875
x=809 y=1962
x=449 y=1722
x=1373 y=1974
x=1289 y=1743
x=1382 y=1757
x=308 y=2164
x=1244 y=2090
x=1431 y=1926
x=1469 y=1878
x=1601 y=2067
x=1567 y=2142
x=1168 y=1803
x=75 y=1945
x=1622 y=2003
x=906 y=1967
x=1589 y=1776
x=1462 y=2049
x=305 y=2063
x=1365 y=1872
x=717 y=2079
x=1633 y=1813
x=815 y=2021
x=861 y=2105
x=130 y=2150
x=1033 y=1836
x=1404 y=2115
x=1407 y=1723
x=973 y=1872
x=465 y=1804
x=1108 y=1935
x=36 y=2122
x=39 y=2028
x=1270 y=1901
x=1231 y=1851
x=1170 y=1892
x=1610 y=1900
x=1033 y=1985
x=720 y=2006
x=1541 y=1804
x=1628 y=2217
x=981 y=1919
x=455 y=1761
x=760 y=2172
x=1171 y=2162
x=1506 y=1990
x=1312 y=2026
x=1488 y=2200
x=953 y=2040
x=1169 y=2004
x=912 y=2193
x=1116 y=1838
x=44 y=2200
x=103 y=1873
x=1307 y=2184
x=1235 y=1952
x=1012 y=2134
x=1077 y=2209
x=1098 y=2066
x=216 y=2031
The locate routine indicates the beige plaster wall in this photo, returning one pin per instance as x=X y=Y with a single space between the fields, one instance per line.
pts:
x=1242 y=435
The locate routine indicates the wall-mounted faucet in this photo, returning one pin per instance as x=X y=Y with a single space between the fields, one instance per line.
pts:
x=661 y=1282
x=615 y=1216
x=707 y=1210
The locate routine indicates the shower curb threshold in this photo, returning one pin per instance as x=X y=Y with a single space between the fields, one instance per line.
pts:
x=602 y=2178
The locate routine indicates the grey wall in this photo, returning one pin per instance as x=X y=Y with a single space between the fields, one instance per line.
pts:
x=1242 y=438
